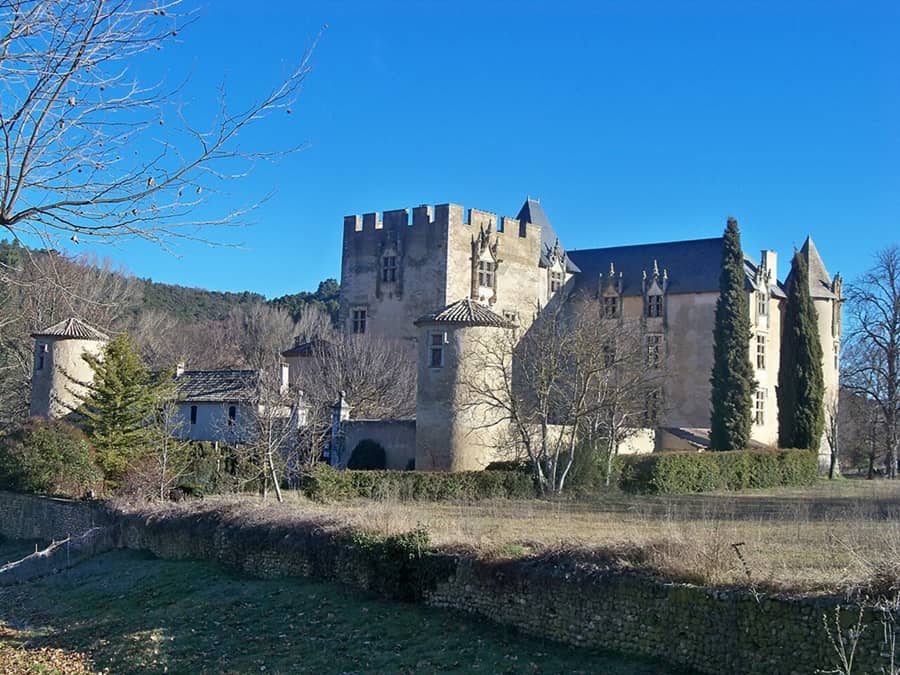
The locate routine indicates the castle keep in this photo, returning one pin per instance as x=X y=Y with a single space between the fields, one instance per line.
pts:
x=437 y=281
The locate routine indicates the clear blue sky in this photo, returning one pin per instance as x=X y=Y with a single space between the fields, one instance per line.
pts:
x=632 y=121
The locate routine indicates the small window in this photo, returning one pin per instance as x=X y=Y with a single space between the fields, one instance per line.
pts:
x=759 y=408
x=359 y=321
x=389 y=268
x=654 y=351
x=511 y=315
x=651 y=408
x=654 y=305
x=232 y=415
x=41 y=356
x=609 y=355
x=436 y=350
x=610 y=307
x=762 y=304
x=193 y=414
x=837 y=355
x=486 y=273
x=761 y=352
x=556 y=280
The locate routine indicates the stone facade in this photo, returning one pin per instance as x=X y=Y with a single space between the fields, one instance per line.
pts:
x=394 y=272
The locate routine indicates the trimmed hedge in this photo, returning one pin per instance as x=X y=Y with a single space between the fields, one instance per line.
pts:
x=685 y=472
x=323 y=483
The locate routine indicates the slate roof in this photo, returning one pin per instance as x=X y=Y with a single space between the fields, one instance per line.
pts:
x=819 y=279
x=693 y=266
x=532 y=212
x=217 y=385
x=313 y=347
x=72 y=328
x=465 y=312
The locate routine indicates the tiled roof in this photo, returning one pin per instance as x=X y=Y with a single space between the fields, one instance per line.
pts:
x=466 y=312
x=217 y=385
x=72 y=328
x=693 y=266
x=533 y=212
x=315 y=347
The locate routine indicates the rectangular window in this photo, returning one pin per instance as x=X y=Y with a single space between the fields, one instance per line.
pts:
x=837 y=355
x=359 y=321
x=486 y=273
x=610 y=307
x=556 y=280
x=232 y=415
x=436 y=350
x=609 y=355
x=193 y=414
x=389 y=268
x=759 y=408
x=42 y=352
x=761 y=352
x=654 y=351
x=654 y=305
x=762 y=304
x=651 y=408
x=511 y=316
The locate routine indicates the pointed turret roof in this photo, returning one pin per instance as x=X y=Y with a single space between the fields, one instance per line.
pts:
x=533 y=212
x=819 y=279
x=465 y=312
x=72 y=328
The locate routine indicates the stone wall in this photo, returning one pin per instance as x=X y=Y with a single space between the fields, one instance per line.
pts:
x=397 y=437
x=47 y=518
x=579 y=602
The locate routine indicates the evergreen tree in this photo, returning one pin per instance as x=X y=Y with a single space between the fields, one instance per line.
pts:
x=120 y=409
x=732 y=375
x=801 y=384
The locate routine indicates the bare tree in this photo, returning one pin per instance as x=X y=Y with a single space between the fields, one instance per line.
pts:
x=871 y=364
x=377 y=377
x=571 y=379
x=88 y=150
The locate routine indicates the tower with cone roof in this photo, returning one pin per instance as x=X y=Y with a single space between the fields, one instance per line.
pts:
x=827 y=295
x=60 y=374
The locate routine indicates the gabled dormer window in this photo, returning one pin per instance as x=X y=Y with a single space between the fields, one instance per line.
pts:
x=654 y=305
x=610 y=307
x=486 y=271
x=762 y=304
x=556 y=280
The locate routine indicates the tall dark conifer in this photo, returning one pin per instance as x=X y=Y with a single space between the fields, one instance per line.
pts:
x=801 y=384
x=732 y=375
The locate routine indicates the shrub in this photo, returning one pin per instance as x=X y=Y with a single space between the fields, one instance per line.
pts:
x=50 y=457
x=368 y=455
x=684 y=472
x=324 y=483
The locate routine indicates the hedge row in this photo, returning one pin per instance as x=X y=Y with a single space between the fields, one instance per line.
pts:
x=684 y=472
x=324 y=483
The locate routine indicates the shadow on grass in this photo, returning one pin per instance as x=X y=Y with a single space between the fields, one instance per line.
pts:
x=132 y=613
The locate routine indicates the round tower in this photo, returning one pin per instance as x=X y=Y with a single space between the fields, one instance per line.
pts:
x=454 y=430
x=826 y=294
x=60 y=373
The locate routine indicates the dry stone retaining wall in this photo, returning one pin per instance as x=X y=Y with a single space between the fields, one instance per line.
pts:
x=711 y=631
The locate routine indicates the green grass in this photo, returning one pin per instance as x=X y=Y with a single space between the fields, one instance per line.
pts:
x=131 y=613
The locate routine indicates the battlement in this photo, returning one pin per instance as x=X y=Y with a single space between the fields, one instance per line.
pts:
x=441 y=215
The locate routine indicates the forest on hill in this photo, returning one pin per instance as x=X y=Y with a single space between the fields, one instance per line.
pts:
x=205 y=329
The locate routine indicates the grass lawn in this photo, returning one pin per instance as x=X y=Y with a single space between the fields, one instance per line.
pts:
x=126 y=612
x=831 y=536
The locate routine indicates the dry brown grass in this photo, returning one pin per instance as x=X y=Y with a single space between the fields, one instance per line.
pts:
x=832 y=537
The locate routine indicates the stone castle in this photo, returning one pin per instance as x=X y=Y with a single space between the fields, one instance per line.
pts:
x=440 y=281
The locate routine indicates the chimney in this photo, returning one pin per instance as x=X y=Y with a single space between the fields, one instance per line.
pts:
x=769 y=260
x=285 y=376
x=179 y=369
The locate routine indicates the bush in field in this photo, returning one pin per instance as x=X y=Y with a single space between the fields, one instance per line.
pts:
x=683 y=472
x=50 y=457
x=324 y=483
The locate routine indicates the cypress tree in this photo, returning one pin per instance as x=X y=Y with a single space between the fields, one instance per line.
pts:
x=801 y=384
x=732 y=375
